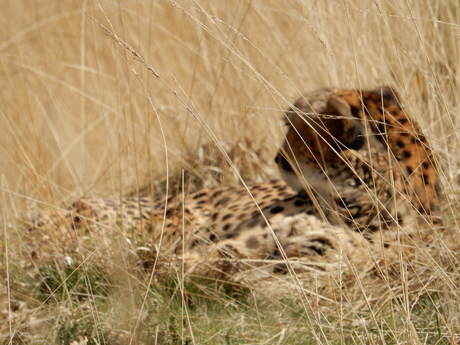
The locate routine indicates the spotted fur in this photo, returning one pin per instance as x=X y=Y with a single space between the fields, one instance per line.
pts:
x=352 y=162
x=362 y=156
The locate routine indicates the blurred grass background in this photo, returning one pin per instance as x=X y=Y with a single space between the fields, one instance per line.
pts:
x=77 y=121
x=81 y=116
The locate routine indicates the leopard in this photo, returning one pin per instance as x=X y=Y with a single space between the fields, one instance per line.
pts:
x=354 y=168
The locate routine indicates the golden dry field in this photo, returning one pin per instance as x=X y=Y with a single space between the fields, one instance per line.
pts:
x=116 y=98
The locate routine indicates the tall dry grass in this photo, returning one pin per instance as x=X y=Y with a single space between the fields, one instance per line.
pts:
x=82 y=117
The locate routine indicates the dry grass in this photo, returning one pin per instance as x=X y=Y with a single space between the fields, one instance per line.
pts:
x=81 y=116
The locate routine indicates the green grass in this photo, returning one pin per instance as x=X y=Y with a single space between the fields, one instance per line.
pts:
x=112 y=306
x=207 y=311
